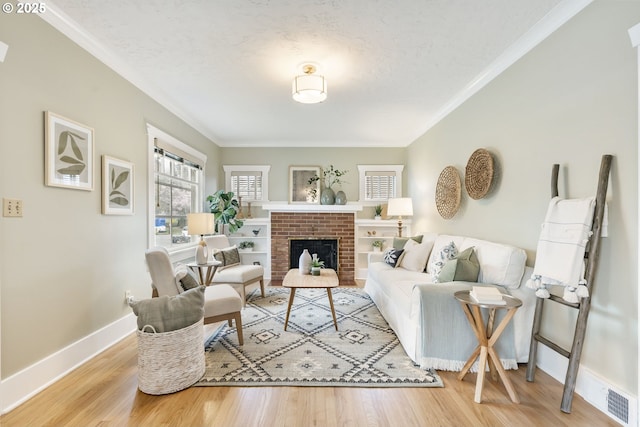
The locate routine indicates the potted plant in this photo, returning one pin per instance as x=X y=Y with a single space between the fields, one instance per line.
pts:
x=316 y=265
x=331 y=176
x=225 y=208
x=377 y=245
x=246 y=246
x=378 y=210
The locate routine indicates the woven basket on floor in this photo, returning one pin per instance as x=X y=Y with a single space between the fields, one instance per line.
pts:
x=170 y=361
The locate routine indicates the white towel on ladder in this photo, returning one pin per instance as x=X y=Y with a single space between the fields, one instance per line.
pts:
x=561 y=246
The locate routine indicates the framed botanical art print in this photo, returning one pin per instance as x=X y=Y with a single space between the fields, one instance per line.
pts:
x=68 y=153
x=304 y=185
x=117 y=186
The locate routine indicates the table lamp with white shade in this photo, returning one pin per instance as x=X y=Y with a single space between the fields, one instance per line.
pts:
x=401 y=206
x=201 y=223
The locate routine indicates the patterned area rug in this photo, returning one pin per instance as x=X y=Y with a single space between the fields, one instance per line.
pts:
x=364 y=352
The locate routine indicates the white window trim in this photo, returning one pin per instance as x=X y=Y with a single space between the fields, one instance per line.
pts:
x=362 y=171
x=153 y=133
x=264 y=169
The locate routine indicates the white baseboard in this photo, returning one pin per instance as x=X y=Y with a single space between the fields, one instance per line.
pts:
x=591 y=387
x=21 y=386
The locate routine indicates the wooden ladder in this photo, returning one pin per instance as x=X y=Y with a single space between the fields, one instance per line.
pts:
x=591 y=259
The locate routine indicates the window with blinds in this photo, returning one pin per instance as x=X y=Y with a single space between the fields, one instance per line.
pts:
x=178 y=192
x=249 y=182
x=378 y=183
x=247 y=185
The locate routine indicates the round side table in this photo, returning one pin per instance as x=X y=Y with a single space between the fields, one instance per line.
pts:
x=487 y=337
x=210 y=268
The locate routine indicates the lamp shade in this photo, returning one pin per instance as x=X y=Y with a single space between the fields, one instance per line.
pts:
x=401 y=206
x=309 y=88
x=200 y=223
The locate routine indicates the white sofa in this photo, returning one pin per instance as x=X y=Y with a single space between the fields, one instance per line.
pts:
x=429 y=321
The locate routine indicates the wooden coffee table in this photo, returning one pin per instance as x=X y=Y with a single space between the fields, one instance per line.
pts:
x=327 y=279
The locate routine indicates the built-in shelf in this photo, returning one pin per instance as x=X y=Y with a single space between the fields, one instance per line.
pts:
x=384 y=229
x=262 y=250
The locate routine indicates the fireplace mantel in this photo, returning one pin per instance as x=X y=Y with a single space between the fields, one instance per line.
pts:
x=309 y=207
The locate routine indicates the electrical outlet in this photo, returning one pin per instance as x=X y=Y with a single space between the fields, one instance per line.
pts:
x=127 y=296
x=12 y=208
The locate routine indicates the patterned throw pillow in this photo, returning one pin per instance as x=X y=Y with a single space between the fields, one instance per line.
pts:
x=446 y=253
x=188 y=282
x=393 y=257
x=227 y=256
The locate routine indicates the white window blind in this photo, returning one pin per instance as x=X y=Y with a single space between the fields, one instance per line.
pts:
x=380 y=185
x=251 y=182
x=247 y=185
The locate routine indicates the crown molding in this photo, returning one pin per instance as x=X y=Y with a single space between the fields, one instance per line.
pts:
x=74 y=31
x=553 y=20
x=562 y=13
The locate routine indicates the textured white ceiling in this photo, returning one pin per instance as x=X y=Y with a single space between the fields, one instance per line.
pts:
x=393 y=67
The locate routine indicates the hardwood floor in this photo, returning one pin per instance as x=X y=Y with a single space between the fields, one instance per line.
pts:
x=103 y=392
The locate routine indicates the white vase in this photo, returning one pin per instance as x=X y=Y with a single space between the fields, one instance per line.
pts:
x=304 y=263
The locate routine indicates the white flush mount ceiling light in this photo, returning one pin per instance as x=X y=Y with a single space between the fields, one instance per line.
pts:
x=309 y=88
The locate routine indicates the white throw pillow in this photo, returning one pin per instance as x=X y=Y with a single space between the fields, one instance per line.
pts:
x=416 y=255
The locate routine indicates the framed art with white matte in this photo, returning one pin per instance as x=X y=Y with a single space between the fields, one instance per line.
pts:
x=68 y=153
x=117 y=186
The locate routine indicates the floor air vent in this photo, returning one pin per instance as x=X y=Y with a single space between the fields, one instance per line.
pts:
x=618 y=406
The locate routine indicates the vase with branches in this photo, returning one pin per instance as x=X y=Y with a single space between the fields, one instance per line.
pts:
x=330 y=176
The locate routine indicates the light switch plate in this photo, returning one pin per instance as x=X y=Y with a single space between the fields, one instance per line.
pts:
x=12 y=208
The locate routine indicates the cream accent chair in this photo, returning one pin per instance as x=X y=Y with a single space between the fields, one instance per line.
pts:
x=241 y=274
x=221 y=302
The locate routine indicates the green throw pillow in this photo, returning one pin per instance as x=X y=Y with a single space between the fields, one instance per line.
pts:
x=167 y=314
x=464 y=268
x=399 y=242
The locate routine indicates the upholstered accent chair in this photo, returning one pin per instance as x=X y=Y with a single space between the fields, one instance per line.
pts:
x=222 y=302
x=241 y=275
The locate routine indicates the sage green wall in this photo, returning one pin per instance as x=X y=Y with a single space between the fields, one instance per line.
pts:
x=342 y=158
x=569 y=101
x=64 y=266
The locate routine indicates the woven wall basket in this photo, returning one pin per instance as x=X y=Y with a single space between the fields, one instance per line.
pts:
x=448 y=192
x=170 y=361
x=478 y=174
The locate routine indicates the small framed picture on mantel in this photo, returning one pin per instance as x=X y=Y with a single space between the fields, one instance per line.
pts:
x=304 y=185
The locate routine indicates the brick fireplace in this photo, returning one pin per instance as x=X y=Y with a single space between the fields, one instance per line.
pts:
x=313 y=225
